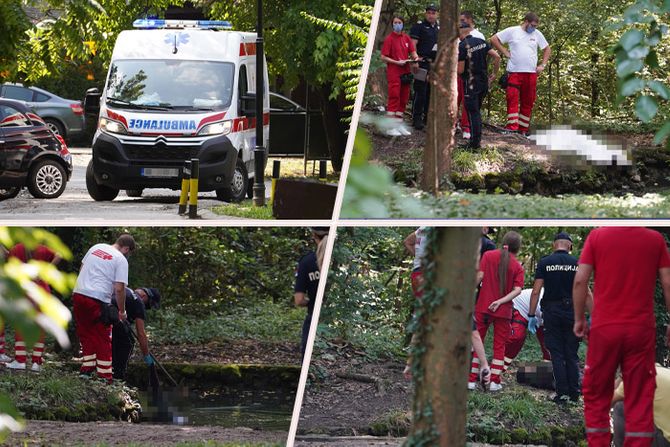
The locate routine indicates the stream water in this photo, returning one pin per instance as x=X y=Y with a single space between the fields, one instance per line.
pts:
x=256 y=409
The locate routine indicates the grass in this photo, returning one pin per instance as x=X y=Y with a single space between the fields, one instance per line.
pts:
x=245 y=209
x=532 y=206
x=269 y=322
x=56 y=394
x=294 y=168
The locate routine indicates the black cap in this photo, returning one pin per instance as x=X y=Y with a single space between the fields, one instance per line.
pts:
x=562 y=235
x=431 y=7
x=154 y=297
x=320 y=231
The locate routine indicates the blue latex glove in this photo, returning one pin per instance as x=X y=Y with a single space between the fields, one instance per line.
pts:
x=148 y=359
x=532 y=325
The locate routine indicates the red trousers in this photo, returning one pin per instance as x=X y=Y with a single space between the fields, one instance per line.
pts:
x=501 y=332
x=633 y=348
x=398 y=92
x=95 y=337
x=518 y=338
x=20 y=346
x=417 y=284
x=465 y=123
x=520 y=87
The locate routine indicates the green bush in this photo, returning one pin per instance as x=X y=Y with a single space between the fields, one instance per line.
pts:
x=267 y=322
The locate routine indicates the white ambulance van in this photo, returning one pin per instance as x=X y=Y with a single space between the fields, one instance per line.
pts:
x=177 y=90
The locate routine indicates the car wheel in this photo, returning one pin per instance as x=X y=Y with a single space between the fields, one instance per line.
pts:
x=55 y=126
x=9 y=193
x=99 y=193
x=238 y=185
x=134 y=192
x=47 y=180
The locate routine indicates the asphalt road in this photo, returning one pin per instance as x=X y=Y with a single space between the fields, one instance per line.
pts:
x=76 y=205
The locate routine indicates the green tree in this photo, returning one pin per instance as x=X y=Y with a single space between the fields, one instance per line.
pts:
x=27 y=306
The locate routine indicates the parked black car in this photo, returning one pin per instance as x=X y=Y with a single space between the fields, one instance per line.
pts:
x=30 y=154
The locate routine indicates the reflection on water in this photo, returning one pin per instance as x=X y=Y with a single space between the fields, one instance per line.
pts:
x=256 y=409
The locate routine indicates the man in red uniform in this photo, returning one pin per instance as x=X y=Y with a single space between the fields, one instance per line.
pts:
x=523 y=68
x=494 y=304
x=626 y=262
x=44 y=254
x=103 y=276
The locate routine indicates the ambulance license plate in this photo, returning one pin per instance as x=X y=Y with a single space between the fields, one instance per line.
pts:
x=160 y=172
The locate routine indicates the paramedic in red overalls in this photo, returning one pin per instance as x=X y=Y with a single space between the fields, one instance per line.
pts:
x=520 y=316
x=398 y=48
x=103 y=277
x=626 y=262
x=44 y=254
x=416 y=243
x=494 y=305
x=523 y=69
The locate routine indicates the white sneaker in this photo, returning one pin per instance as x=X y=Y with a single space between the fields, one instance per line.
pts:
x=404 y=130
x=4 y=358
x=36 y=367
x=472 y=386
x=466 y=135
x=16 y=365
x=495 y=386
x=393 y=132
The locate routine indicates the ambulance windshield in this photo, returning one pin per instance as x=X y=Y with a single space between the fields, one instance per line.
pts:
x=160 y=84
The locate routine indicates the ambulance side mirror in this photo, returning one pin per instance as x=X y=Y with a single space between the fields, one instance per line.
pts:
x=248 y=104
x=92 y=101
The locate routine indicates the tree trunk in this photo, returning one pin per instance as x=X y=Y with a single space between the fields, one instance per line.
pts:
x=337 y=141
x=498 y=6
x=442 y=113
x=595 y=57
x=442 y=355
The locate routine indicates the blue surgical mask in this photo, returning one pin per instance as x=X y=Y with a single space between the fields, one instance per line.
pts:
x=530 y=29
x=397 y=27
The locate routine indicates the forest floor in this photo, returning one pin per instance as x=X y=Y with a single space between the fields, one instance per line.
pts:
x=55 y=433
x=73 y=393
x=515 y=164
x=349 y=395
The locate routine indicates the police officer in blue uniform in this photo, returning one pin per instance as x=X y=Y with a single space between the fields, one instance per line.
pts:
x=138 y=301
x=424 y=35
x=307 y=282
x=556 y=273
x=473 y=68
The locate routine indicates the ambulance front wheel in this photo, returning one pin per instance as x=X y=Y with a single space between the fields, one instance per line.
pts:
x=238 y=185
x=99 y=193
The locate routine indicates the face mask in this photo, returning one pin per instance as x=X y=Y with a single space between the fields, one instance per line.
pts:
x=530 y=29
x=397 y=27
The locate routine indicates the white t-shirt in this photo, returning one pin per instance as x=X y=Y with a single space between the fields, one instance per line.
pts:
x=522 y=304
x=420 y=246
x=102 y=266
x=523 y=48
x=475 y=33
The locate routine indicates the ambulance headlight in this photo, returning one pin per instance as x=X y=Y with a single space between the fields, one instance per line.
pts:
x=111 y=126
x=220 y=128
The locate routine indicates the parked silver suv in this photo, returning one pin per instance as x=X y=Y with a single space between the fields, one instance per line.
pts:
x=64 y=117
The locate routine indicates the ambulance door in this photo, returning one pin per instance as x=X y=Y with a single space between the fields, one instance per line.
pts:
x=246 y=113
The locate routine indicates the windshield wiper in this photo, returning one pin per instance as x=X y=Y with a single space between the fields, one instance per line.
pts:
x=195 y=109
x=132 y=105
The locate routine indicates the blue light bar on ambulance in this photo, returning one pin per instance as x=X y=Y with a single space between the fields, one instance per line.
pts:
x=180 y=24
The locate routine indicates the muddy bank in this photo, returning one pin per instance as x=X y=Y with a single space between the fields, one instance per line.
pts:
x=46 y=433
x=512 y=164
x=350 y=396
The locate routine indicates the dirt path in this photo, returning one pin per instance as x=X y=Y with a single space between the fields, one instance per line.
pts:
x=351 y=395
x=47 y=433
